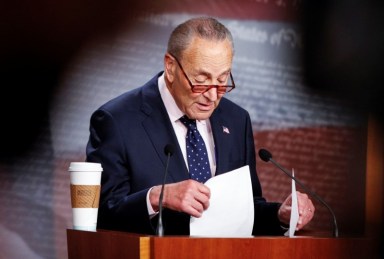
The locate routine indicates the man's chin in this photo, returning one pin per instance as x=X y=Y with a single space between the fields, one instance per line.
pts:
x=203 y=115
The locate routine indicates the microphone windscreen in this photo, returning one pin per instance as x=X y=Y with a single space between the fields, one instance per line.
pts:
x=168 y=149
x=265 y=155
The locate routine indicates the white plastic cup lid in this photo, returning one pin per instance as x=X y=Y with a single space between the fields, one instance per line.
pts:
x=85 y=166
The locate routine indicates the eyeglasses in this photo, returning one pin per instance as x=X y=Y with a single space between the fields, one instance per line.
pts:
x=221 y=89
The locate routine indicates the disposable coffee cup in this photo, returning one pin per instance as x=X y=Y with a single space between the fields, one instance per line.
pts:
x=85 y=178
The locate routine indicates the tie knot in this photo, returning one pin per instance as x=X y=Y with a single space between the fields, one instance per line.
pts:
x=190 y=124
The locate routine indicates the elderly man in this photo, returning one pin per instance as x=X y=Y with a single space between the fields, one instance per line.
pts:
x=185 y=106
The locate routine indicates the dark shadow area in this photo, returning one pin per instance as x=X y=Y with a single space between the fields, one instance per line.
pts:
x=38 y=39
x=343 y=51
x=343 y=54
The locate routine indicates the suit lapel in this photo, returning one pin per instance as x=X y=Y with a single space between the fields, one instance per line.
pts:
x=159 y=129
x=221 y=135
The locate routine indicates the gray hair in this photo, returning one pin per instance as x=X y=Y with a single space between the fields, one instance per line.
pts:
x=203 y=27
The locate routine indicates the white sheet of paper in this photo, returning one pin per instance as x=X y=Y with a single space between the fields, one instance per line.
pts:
x=231 y=211
x=294 y=210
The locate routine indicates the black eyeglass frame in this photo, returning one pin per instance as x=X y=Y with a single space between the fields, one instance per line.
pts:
x=228 y=88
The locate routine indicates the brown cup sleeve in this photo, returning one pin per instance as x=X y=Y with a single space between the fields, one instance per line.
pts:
x=85 y=196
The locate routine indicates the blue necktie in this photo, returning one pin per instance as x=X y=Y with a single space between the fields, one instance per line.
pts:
x=197 y=155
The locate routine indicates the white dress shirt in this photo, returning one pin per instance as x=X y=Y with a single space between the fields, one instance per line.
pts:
x=203 y=126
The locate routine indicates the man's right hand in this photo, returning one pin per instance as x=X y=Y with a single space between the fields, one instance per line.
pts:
x=188 y=196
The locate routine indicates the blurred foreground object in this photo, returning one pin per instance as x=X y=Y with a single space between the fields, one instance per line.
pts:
x=343 y=51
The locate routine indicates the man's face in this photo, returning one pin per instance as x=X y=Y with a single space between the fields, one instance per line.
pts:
x=205 y=63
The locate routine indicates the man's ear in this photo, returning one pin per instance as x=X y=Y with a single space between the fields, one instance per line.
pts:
x=170 y=67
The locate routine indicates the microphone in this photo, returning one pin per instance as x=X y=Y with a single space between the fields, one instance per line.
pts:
x=168 y=150
x=266 y=156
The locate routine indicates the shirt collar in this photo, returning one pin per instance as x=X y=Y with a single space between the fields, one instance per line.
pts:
x=173 y=110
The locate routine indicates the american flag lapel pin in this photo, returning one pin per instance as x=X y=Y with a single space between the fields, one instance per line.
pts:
x=225 y=130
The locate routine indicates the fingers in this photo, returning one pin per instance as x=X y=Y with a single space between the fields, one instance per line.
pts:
x=202 y=196
x=187 y=196
x=305 y=207
x=306 y=210
x=193 y=207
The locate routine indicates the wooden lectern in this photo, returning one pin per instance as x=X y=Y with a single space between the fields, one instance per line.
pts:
x=115 y=244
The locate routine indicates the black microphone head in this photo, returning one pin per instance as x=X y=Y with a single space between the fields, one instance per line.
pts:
x=168 y=149
x=265 y=155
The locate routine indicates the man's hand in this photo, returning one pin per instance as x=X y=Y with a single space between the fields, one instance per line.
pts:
x=188 y=196
x=305 y=206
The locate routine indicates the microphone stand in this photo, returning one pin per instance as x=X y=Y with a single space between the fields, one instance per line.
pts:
x=160 y=229
x=314 y=195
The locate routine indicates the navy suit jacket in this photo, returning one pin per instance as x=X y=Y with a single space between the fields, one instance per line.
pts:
x=128 y=135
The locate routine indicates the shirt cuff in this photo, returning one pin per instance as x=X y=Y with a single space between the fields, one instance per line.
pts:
x=151 y=211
